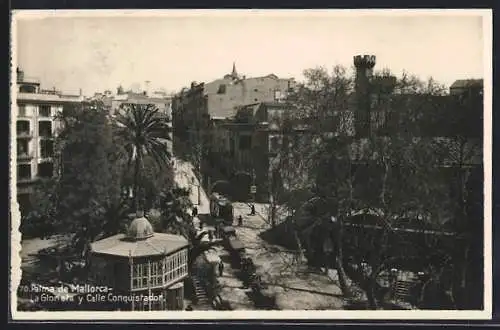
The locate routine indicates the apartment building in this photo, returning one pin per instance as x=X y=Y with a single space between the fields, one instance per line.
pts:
x=36 y=127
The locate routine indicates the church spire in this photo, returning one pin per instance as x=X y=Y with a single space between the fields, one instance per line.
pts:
x=234 y=74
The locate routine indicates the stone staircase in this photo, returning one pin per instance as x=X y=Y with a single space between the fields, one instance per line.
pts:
x=203 y=302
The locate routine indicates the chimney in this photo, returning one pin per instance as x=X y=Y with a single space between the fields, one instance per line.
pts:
x=20 y=74
x=364 y=70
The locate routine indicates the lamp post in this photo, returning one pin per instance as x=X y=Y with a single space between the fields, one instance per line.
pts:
x=198 y=187
x=253 y=185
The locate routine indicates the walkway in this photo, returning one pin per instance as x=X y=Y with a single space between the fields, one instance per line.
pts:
x=293 y=284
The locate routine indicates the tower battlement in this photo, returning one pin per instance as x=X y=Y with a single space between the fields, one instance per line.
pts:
x=365 y=61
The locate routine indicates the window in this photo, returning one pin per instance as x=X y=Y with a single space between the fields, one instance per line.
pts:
x=176 y=266
x=222 y=89
x=273 y=143
x=22 y=148
x=45 y=128
x=277 y=94
x=256 y=100
x=46 y=148
x=255 y=90
x=24 y=171
x=46 y=170
x=22 y=110
x=245 y=142
x=44 y=111
x=140 y=276
x=27 y=89
x=22 y=127
x=154 y=272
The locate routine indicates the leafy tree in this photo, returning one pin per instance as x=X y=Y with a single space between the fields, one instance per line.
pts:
x=197 y=246
x=323 y=111
x=85 y=198
x=397 y=172
x=143 y=131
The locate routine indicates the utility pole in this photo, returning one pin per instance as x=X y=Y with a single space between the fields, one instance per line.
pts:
x=200 y=156
x=253 y=184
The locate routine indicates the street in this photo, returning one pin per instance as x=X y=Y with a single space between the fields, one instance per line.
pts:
x=294 y=285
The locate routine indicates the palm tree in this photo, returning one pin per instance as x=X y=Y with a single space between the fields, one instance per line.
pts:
x=144 y=131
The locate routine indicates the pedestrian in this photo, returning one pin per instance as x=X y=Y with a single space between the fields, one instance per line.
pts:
x=240 y=221
x=201 y=225
x=252 y=209
x=221 y=268
x=195 y=212
x=210 y=235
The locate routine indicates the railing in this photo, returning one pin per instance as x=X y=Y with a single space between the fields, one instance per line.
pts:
x=46 y=135
x=24 y=156
x=27 y=80
x=26 y=179
x=46 y=157
x=24 y=134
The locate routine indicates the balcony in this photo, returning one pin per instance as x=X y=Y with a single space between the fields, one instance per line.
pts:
x=24 y=134
x=46 y=158
x=24 y=156
x=22 y=79
x=47 y=135
x=26 y=179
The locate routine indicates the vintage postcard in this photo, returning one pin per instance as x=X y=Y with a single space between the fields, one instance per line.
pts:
x=251 y=164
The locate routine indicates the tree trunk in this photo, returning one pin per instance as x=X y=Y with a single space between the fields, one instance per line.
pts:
x=370 y=294
x=137 y=174
x=376 y=265
x=339 y=264
x=273 y=214
x=297 y=239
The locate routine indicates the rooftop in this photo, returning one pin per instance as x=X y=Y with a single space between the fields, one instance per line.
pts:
x=48 y=97
x=140 y=241
x=158 y=244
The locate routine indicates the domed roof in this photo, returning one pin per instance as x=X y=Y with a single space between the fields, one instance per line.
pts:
x=140 y=228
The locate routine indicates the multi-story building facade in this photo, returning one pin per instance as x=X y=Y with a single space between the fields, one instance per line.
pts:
x=232 y=91
x=36 y=126
x=244 y=149
x=199 y=111
x=239 y=138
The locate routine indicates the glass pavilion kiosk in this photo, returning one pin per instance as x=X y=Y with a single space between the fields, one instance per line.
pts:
x=141 y=264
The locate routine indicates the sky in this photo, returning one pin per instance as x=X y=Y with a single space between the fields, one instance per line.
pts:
x=97 y=52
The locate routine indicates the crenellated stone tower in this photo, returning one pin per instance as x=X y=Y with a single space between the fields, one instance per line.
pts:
x=364 y=71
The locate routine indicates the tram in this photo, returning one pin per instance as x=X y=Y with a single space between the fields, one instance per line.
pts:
x=221 y=209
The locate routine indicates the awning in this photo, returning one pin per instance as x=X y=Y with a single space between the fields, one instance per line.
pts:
x=212 y=257
x=228 y=229
x=236 y=244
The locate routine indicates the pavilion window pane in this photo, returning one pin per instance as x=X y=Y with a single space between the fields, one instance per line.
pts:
x=153 y=269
